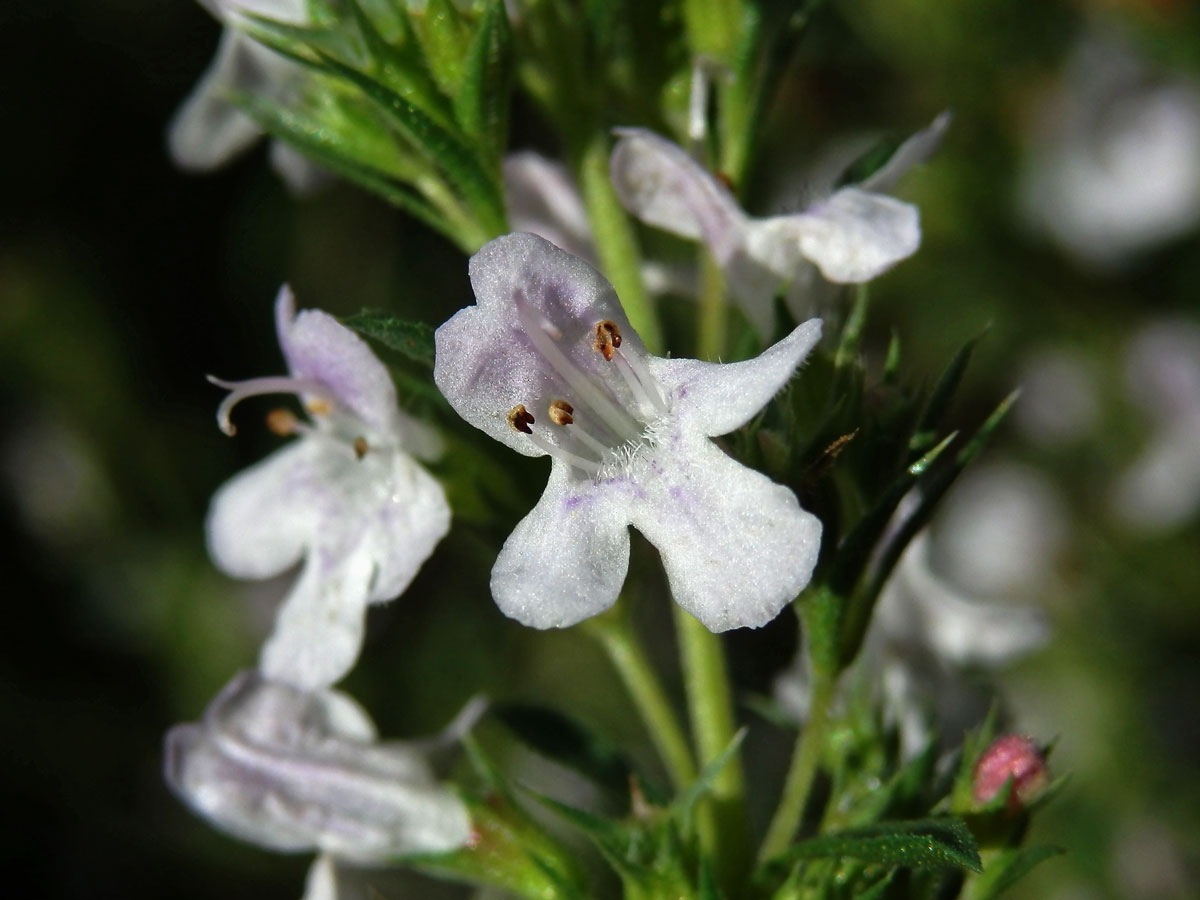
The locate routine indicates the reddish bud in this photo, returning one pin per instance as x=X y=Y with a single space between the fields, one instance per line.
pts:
x=1015 y=757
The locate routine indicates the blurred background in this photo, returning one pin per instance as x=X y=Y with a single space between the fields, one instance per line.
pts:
x=1061 y=222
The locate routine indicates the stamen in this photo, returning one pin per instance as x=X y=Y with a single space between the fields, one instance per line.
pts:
x=282 y=422
x=579 y=462
x=646 y=391
x=520 y=419
x=360 y=447
x=560 y=412
x=608 y=338
x=586 y=392
x=282 y=384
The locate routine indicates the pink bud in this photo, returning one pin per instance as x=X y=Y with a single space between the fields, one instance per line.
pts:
x=1015 y=757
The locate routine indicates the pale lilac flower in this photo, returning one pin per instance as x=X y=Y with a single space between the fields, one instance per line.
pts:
x=1113 y=167
x=548 y=364
x=851 y=235
x=302 y=771
x=209 y=129
x=346 y=497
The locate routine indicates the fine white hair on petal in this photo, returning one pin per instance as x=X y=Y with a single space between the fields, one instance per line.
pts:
x=272 y=765
x=736 y=546
x=567 y=559
x=725 y=396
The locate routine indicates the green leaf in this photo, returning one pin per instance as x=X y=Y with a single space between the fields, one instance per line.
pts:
x=878 y=889
x=443 y=31
x=924 y=843
x=482 y=101
x=940 y=397
x=446 y=151
x=412 y=339
x=561 y=738
x=703 y=784
x=1005 y=868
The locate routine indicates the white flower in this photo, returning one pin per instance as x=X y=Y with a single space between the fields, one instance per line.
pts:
x=209 y=129
x=1160 y=490
x=547 y=363
x=1113 y=168
x=851 y=235
x=347 y=498
x=295 y=771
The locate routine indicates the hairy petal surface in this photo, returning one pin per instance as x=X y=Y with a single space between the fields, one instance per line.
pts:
x=717 y=398
x=736 y=547
x=567 y=559
x=272 y=764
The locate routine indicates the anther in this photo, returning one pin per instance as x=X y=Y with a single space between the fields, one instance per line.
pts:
x=520 y=419
x=608 y=338
x=560 y=412
x=281 y=422
x=360 y=446
x=318 y=407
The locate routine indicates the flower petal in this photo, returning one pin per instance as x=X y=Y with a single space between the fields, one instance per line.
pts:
x=736 y=547
x=487 y=362
x=542 y=199
x=912 y=152
x=261 y=520
x=208 y=130
x=266 y=766
x=664 y=187
x=852 y=237
x=380 y=518
x=716 y=398
x=567 y=559
x=318 y=347
x=301 y=175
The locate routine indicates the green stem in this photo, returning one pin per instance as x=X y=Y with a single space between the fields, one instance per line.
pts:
x=615 y=241
x=805 y=760
x=722 y=816
x=615 y=634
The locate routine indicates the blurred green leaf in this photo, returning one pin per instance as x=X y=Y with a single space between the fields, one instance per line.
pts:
x=1005 y=868
x=412 y=339
x=482 y=101
x=924 y=843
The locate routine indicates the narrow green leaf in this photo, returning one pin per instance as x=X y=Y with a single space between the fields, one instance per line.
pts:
x=852 y=331
x=444 y=150
x=686 y=802
x=878 y=889
x=412 y=339
x=924 y=843
x=325 y=147
x=891 y=363
x=482 y=101
x=443 y=31
x=940 y=397
x=561 y=738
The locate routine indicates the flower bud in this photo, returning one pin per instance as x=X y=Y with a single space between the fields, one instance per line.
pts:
x=1015 y=757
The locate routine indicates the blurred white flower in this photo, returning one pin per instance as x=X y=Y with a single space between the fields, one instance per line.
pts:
x=209 y=130
x=548 y=364
x=1060 y=401
x=1113 y=166
x=851 y=234
x=1161 y=489
x=949 y=603
x=347 y=498
x=300 y=771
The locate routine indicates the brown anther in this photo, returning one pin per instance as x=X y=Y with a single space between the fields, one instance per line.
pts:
x=724 y=178
x=360 y=446
x=608 y=338
x=520 y=419
x=560 y=412
x=281 y=422
x=318 y=407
